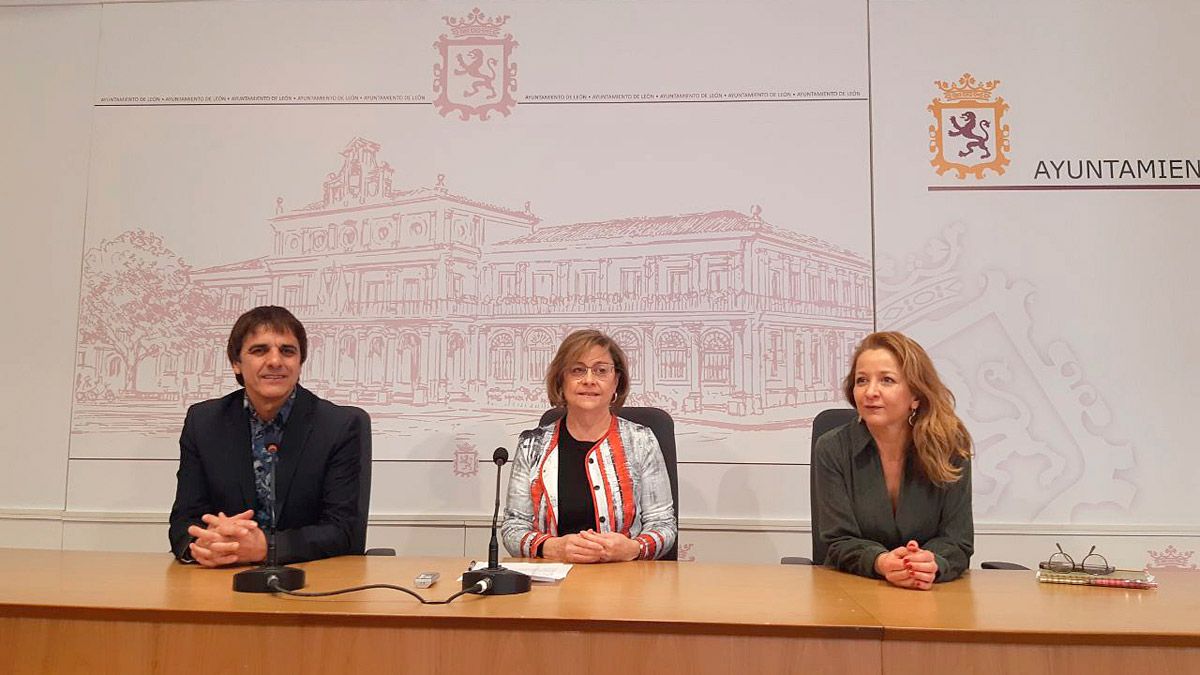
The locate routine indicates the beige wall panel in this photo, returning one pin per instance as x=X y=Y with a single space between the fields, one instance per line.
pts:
x=432 y=488
x=753 y=491
x=121 y=486
x=418 y=540
x=729 y=546
x=94 y=535
x=31 y=532
x=43 y=188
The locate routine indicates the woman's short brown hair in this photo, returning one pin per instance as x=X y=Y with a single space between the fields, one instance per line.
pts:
x=277 y=319
x=571 y=350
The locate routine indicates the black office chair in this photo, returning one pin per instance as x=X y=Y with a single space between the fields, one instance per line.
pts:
x=827 y=420
x=660 y=422
x=364 y=485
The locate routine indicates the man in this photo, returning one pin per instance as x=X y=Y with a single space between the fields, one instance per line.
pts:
x=222 y=497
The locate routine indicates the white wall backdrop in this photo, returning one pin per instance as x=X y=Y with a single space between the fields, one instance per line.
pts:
x=737 y=192
x=47 y=127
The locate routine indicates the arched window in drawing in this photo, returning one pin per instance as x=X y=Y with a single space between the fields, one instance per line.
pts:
x=347 y=353
x=816 y=361
x=540 y=347
x=833 y=361
x=776 y=355
x=376 y=361
x=314 y=367
x=716 y=357
x=208 y=361
x=631 y=344
x=408 y=363
x=672 y=350
x=802 y=375
x=115 y=368
x=502 y=364
x=456 y=351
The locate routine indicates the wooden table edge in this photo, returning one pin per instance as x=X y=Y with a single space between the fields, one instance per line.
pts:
x=1040 y=637
x=355 y=619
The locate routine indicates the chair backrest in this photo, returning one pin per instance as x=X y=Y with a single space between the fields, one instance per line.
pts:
x=660 y=422
x=364 y=478
x=825 y=421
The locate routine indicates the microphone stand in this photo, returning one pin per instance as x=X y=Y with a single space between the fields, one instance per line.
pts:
x=259 y=579
x=497 y=580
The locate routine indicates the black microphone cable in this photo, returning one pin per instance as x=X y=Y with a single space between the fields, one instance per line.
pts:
x=480 y=587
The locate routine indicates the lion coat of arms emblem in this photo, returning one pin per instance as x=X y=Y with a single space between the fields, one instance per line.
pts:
x=968 y=134
x=476 y=76
x=466 y=460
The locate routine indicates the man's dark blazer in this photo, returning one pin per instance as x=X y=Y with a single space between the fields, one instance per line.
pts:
x=317 y=472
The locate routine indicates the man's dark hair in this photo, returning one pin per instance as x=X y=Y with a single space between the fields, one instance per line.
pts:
x=277 y=319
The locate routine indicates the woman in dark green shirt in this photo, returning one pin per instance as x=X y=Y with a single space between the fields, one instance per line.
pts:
x=893 y=489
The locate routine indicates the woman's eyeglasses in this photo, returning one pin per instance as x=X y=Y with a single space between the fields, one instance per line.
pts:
x=601 y=371
x=1093 y=563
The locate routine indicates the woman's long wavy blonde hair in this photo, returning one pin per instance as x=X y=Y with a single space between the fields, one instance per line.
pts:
x=940 y=439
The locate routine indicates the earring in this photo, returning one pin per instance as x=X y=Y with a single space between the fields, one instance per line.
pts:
x=912 y=417
x=614 y=398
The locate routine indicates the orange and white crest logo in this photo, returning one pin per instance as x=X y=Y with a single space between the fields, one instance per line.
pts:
x=476 y=76
x=969 y=135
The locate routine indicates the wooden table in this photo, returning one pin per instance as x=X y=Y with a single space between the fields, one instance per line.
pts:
x=64 y=612
x=1005 y=622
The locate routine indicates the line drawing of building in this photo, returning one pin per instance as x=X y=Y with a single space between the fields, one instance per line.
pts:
x=428 y=299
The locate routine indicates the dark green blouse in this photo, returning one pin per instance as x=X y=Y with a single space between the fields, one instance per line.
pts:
x=855 y=511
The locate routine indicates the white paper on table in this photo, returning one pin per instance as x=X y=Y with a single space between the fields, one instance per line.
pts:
x=548 y=572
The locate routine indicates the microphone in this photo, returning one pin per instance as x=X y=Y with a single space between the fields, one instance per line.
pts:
x=496 y=580
x=272 y=450
x=269 y=575
x=499 y=457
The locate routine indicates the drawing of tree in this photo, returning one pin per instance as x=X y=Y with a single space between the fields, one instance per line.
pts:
x=138 y=300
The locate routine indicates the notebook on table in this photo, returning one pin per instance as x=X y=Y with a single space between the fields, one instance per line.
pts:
x=1115 y=579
